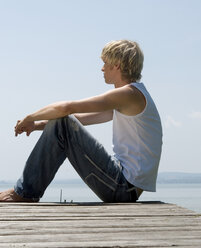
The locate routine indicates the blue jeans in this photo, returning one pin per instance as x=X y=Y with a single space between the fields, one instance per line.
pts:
x=67 y=138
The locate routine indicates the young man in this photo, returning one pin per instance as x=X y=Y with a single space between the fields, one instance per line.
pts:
x=137 y=135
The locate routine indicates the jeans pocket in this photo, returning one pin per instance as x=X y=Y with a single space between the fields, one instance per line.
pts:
x=104 y=190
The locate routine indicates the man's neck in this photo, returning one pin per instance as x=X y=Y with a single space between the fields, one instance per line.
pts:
x=120 y=83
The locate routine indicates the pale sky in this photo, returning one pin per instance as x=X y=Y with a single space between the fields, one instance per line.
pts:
x=50 y=51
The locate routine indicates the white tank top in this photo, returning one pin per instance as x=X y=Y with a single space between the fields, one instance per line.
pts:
x=137 y=142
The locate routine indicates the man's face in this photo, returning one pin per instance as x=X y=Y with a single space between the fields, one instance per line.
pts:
x=110 y=72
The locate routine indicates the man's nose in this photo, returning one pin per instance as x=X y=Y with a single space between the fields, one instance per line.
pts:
x=103 y=69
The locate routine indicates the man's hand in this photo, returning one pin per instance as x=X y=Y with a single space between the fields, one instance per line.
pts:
x=24 y=126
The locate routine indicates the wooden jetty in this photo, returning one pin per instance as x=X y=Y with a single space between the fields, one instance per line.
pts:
x=142 y=224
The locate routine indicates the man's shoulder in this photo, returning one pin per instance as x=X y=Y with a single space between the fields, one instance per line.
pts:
x=134 y=100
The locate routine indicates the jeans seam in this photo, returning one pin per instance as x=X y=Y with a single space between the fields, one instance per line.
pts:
x=131 y=189
x=92 y=174
x=97 y=167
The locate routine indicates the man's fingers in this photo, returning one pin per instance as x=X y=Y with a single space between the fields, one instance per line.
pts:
x=17 y=131
x=28 y=133
x=23 y=126
x=17 y=123
x=17 y=128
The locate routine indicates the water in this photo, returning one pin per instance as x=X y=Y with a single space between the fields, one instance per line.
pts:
x=185 y=195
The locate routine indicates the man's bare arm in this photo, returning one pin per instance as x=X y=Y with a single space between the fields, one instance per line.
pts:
x=40 y=125
x=94 y=118
x=124 y=99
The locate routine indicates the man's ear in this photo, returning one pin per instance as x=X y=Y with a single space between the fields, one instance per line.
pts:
x=117 y=67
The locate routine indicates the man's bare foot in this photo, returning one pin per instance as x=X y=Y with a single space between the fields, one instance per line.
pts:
x=11 y=196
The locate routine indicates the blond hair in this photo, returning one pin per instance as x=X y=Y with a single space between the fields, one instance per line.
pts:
x=128 y=55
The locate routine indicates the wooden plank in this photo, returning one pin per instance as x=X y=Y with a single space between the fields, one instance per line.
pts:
x=114 y=222
x=103 y=211
x=98 y=225
x=107 y=243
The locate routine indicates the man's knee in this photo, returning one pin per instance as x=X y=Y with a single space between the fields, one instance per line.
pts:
x=66 y=121
x=52 y=124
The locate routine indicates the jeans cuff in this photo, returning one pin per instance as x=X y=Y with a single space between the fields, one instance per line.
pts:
x=20 y=193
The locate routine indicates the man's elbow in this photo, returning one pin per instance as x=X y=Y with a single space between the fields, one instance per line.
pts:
x=64 y=109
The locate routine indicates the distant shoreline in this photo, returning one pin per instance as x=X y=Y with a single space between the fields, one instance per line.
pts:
x=163 y=177
x=178 y=177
